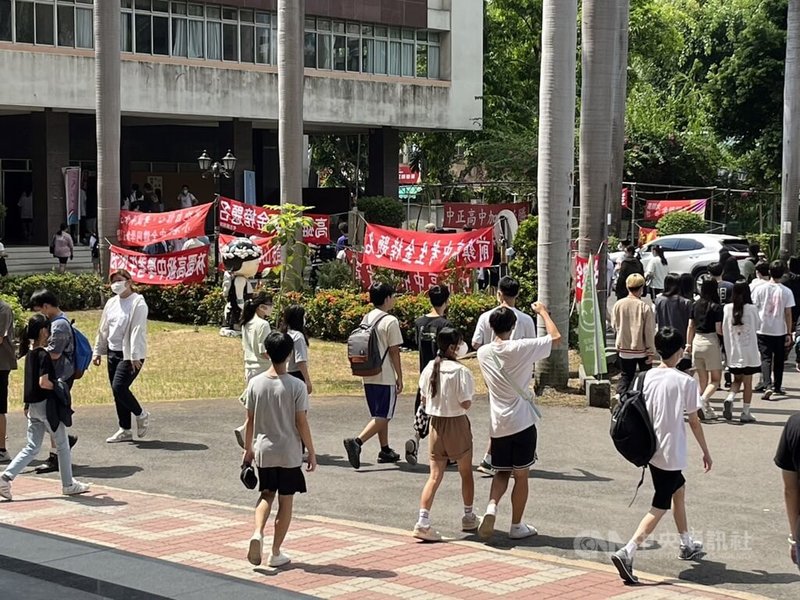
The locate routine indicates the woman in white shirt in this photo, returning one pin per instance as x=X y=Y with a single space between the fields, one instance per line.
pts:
x=447 y=388
x=293 y=323
x=655 y=271
x=122 y=338
x=255 y=329
x=740 y=323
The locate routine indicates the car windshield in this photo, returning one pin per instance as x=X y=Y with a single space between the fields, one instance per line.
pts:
x=735 y=245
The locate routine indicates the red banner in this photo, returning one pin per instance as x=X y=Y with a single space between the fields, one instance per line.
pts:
x=655 y=209
x=252 y=220
x=460 y=214
x=404 y=250
x=270 y=255
x=647 y=235
x=142 y=229
x=186 y=266
x=626 y=198
x=408 y=177
x=581 y=266
x=416 y=283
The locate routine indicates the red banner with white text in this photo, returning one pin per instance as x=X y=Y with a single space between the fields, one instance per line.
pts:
x=460 y=214
x=404 y=250
x=417 y=283
x=251 y=220
x=142 y=229
x=581 y=267
x=270 y=255
x=655 y=209
x=186 y=266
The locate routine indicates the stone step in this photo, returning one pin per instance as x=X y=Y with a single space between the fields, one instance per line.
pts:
x=26 y=260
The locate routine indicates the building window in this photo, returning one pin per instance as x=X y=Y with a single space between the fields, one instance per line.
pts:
x=24 y=22
x=5 y=21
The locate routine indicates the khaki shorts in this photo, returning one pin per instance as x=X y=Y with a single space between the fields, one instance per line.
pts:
x=706 y=353
x=450 y=438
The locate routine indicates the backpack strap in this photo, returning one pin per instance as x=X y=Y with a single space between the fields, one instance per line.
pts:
x=641 y=481
x=374 y=325
x=638 y=385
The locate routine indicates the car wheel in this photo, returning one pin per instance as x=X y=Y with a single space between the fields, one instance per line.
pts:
x=700 y=275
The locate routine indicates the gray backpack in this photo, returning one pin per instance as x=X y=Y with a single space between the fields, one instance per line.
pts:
x=363 y=351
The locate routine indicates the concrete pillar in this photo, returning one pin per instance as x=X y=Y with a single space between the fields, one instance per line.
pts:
x=266 y=162
x=50 y=154
x=384 y=149
x=236 y=136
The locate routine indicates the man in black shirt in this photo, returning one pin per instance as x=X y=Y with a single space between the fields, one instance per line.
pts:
x=426 y=329
x=787 y=459
x=629 y=265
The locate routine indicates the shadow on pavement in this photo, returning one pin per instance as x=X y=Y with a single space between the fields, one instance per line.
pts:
x=112 y=472
x=329 y=569
x=97 y=500
x=501 y=541
x=709 y=572
x=170 y=446
x=584 y=476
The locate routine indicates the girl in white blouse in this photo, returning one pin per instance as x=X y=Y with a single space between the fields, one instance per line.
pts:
x=740 y=323
x=447 y=388
x=123 y=339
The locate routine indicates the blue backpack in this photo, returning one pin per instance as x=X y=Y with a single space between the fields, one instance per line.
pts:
x=82 y=350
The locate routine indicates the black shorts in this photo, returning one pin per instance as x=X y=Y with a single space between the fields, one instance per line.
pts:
x=666 y=483
x=517 y=451
x=3 y=396
x=745 y=370
x=286 y=482
x=298 y=375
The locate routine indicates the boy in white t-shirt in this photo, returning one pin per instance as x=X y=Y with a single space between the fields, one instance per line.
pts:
x=669 y=393
x=507 y=368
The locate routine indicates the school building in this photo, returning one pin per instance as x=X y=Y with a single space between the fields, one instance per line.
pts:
x=203 y=76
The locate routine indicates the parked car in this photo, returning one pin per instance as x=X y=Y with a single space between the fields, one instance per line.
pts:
x=693 y=252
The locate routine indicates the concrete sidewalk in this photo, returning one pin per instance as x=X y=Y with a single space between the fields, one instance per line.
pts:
x=111 y=536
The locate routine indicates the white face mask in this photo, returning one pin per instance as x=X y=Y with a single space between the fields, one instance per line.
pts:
x=462 y=350
x=119 y=286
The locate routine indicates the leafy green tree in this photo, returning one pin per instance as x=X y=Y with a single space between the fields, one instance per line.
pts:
x=680 y=222
x=380 y=210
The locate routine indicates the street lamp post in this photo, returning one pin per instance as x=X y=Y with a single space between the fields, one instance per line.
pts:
x=216 y=170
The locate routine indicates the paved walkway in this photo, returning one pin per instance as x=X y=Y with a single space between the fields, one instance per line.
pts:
x=332 y=559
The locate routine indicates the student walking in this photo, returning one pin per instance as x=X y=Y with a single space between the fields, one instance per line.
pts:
x=427 y=328
x=507 y=368
x=276 y=430
x=724 y=287
x=635 y=325
x=655 y=271
x=293 y=323
x=702 y=338
x=255 y=329
x=61 y=247
x=8 y=363
x=122 y=338
x=447 y=388
x=739 y=325
x=381 y=390
x=774 y=302
x=668 y=394
x=627 y=267
x=672 y=309
x=42 y=409
x=787 y=459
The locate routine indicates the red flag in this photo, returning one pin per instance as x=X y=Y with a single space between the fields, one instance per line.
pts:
x=252 y=220
x=647 y=235
x=581 y=266
x=461 y=214
x=186 y=266
x=143 y=229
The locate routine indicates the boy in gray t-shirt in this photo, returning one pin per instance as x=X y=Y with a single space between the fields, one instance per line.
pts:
x=275 y=431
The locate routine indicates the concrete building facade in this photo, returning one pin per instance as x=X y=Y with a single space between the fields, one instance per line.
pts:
x=202 y=75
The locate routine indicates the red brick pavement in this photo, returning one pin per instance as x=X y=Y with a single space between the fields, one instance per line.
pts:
x=330 y=559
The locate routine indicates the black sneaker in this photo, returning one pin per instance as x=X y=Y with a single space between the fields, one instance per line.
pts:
x=50 y=465
x=389 y=456
x=624 y=563
x=353 y=450
x=779 y=392
x=760 y=388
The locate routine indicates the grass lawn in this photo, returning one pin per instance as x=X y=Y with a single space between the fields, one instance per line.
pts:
x=186 y=362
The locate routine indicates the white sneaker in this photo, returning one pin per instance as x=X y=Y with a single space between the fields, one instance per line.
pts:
x=76 y=488
x=426 y=534
x=4 y=456
x=522 y=531
x=142 y=421
x=278 y=560
x=122 y=435
x=254 y=550
x=5 y=488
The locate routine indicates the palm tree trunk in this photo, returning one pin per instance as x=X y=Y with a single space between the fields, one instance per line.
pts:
x=107 y=96
x=618 y=119
x=555 y=174
x=597 y=83
x=790 y=187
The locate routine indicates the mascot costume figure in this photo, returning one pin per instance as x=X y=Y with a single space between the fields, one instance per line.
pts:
x=241 y=259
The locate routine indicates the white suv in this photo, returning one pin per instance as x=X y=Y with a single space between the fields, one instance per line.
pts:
x=693 y=252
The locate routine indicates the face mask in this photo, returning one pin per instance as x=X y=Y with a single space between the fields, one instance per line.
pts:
x=462 y=350
x=119 y=286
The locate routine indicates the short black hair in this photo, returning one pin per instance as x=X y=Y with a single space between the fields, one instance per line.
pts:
x=278 y=346
x=509 y=287
x=380 y=292
x=630 y=249
x=754 y=249
x=715 y=269
x=502 y=320
x=438 y=294
x=762 y=268
x=794 y=265
x=343 y=228
x=777 y=269
x=41 y=297
x=669 y=341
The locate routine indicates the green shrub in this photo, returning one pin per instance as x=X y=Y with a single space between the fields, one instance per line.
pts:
x=523 y=265
x=680 y=222
x=381 y=210
x=20 y=314
x=75 y=292
x=335 y=275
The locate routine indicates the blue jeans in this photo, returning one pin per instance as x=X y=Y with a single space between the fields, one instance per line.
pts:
x=37 y=427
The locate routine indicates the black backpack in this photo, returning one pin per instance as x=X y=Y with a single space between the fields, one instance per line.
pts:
x=632 y=430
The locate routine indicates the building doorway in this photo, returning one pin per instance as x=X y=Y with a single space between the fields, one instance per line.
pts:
x=13 y=184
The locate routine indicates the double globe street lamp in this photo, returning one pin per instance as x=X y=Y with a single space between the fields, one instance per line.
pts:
x=216 y=170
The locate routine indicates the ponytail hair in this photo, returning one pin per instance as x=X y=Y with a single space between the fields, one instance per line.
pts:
x=32 y=330
x=445 y=338
x=251 y=306
x=741 y=296
x=293 y=318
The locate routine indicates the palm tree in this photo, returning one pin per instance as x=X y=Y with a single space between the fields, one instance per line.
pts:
x=598 y=38
x=790 y=181
x=107 y=97
x=555 y=173
x=618 y=117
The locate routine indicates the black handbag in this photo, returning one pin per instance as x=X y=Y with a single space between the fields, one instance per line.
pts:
x=248 y=476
